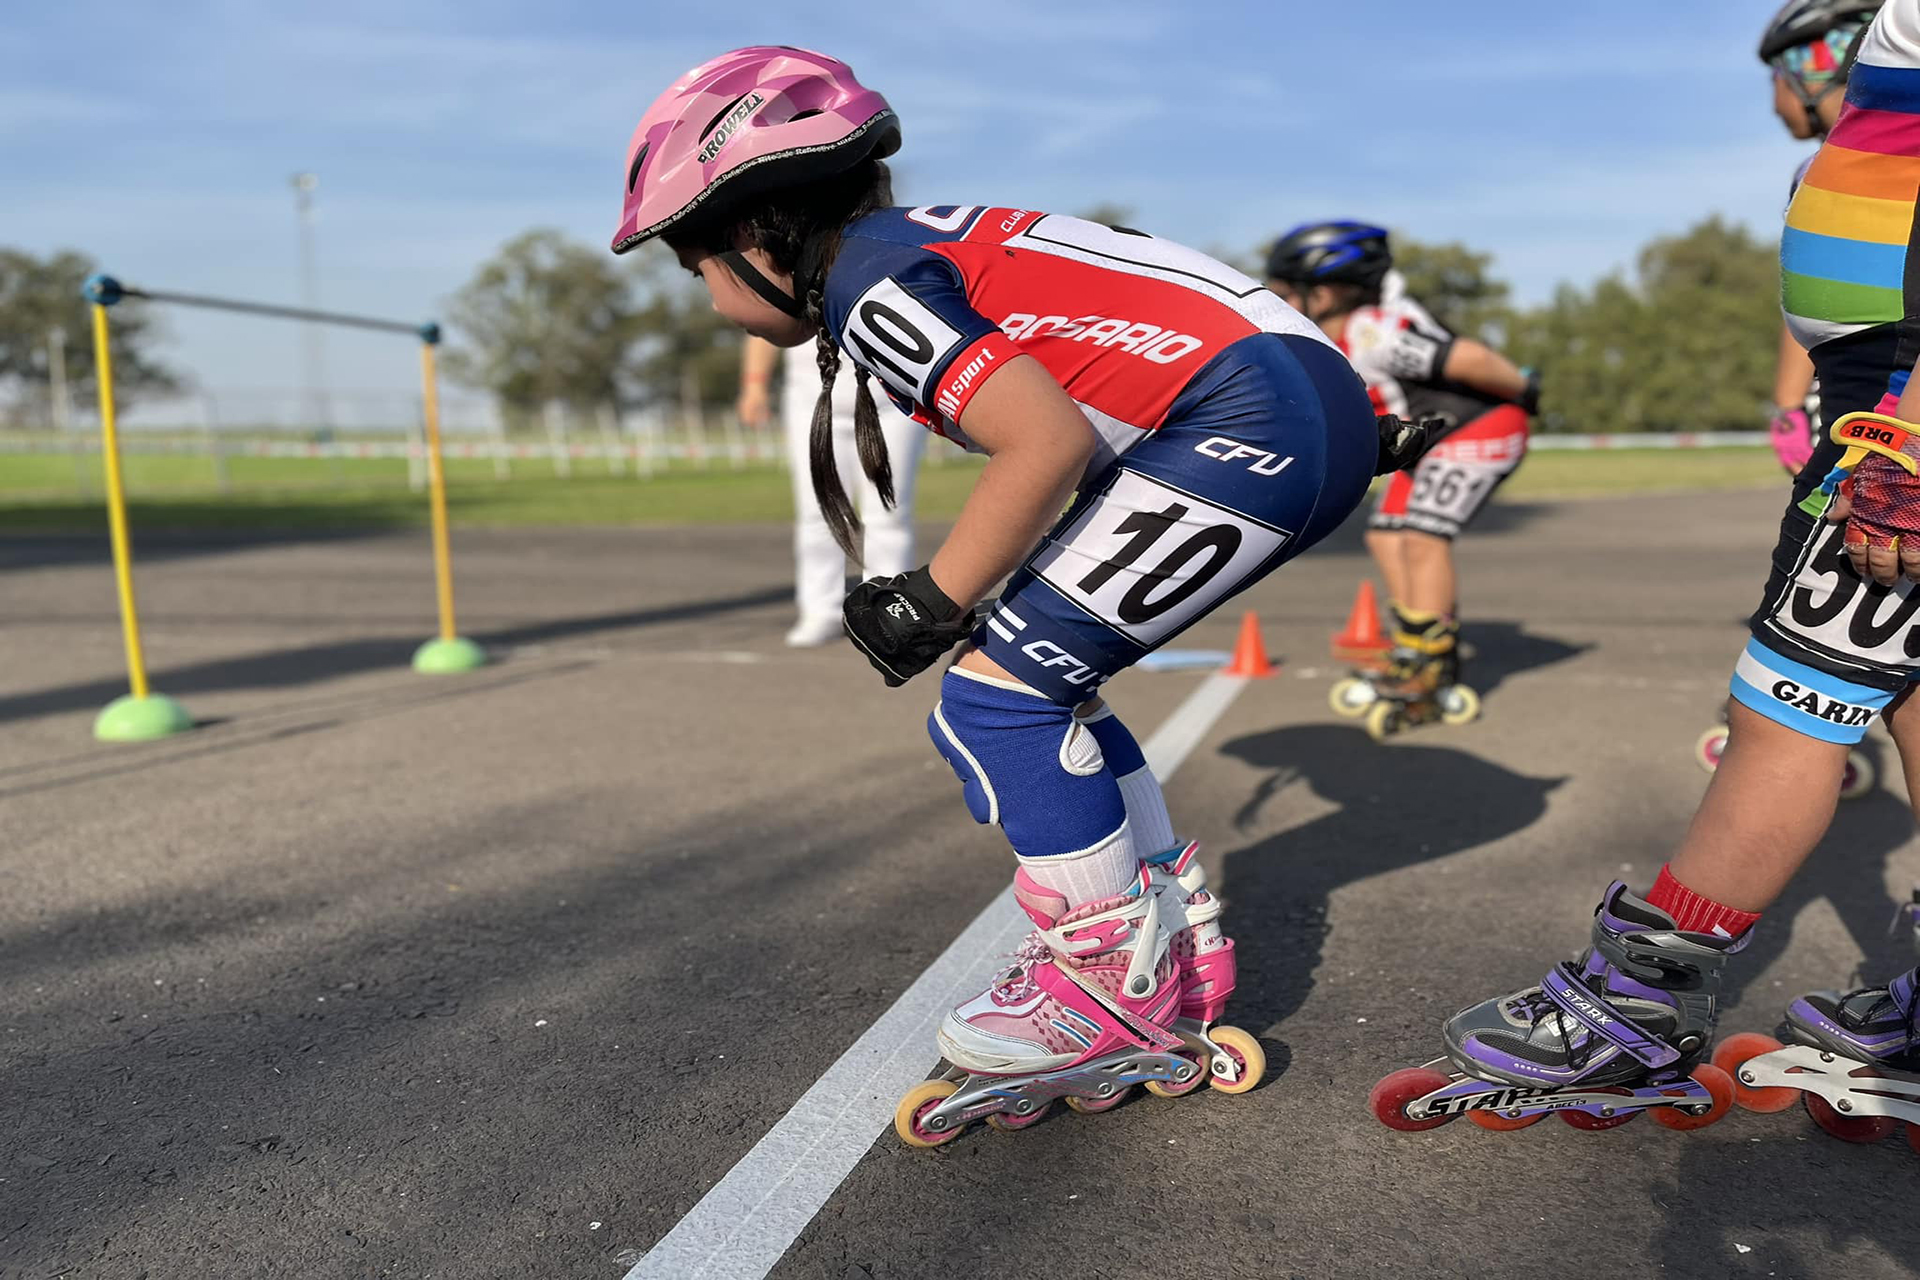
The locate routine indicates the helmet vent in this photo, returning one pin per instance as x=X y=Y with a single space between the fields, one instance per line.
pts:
x=633 y=170
x=808 y=114
x=720 y=115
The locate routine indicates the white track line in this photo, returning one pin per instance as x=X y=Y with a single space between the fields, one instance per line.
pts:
x=741 y=1227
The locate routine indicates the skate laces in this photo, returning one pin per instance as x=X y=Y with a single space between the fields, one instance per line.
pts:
x=1017 y=983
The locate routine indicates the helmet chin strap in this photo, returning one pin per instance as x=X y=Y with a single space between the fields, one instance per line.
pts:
x=752 y=277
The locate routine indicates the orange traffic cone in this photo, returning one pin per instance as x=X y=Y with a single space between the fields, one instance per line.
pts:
x=1362 y=641
x=1250 y=655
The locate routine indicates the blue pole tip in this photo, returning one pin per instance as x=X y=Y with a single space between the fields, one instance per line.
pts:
x=103 y=289
x=430 y=334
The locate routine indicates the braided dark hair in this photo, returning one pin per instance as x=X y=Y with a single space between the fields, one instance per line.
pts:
x=799 y=228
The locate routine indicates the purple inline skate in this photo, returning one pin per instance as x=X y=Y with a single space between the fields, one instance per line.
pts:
x=1855 y=1064
x=1623 y=1030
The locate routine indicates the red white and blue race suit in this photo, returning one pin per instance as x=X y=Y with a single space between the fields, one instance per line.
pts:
x=1231 y=435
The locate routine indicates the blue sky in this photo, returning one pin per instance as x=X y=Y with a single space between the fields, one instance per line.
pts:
x=159 y=137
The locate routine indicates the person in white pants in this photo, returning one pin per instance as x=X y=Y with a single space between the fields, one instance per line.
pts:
x=820 y=570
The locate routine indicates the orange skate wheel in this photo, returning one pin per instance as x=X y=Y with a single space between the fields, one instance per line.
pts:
x=1389 y=1098
x=1244 y=1050
x=1735 y=1052
x=1501 y=1122
x=1862 y=1129
x=913 y=1109
x=1717 y=1083
x=1587 y=1122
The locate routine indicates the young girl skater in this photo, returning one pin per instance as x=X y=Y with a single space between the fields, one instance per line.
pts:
x=1206 y=434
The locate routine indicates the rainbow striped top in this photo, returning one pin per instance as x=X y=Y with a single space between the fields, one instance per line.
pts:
x=1843 y=254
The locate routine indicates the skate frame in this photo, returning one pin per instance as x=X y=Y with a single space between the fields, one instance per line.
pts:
x=1853 y=1088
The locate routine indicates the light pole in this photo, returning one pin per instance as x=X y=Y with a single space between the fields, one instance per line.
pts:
x=304 y=185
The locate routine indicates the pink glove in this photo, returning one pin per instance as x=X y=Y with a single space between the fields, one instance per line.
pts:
x=1791 y=436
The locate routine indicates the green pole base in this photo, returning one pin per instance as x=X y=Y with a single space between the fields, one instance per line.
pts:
x=448 y=657
x=131 y=719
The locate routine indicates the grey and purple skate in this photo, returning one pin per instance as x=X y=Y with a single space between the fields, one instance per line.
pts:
x=1621 y=1031
x=1855 y=1063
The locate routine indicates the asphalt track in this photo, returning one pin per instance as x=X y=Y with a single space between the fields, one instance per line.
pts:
x=378 y=974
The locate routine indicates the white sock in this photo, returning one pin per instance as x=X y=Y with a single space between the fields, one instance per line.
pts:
x=1147 y=812
x=1088 y=875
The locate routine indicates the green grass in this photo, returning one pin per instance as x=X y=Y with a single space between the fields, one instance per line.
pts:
x=182 y=492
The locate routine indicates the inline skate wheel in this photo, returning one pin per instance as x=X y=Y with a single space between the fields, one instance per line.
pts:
x=1501 y=1122
x=1246 y=1052
x=1859 y=777
x=1735 y=1052
x=1719 y=1086
x=1913 y=1137
x=1180 y=1088
x=1008 y=1122
x=1383 y=720
x=1707 y=750
x=1862 y=1129
x=1094 y=1106
x=1351 y=697
x=1459 y=705
x=1389 y=1098
x=1587 y=1122
x=908 y=1116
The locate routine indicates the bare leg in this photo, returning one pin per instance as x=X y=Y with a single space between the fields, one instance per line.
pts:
x=1388 y=549
x=1430 y=582
x=1904 y=725
x=1769 y=803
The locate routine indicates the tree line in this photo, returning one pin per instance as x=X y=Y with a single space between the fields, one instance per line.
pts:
x=1684 y=341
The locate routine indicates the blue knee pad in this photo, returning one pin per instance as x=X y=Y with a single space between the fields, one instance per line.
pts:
x=1116 y=744
x=1026 y=764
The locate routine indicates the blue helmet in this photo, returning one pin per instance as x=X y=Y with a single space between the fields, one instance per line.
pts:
x=1331 y=253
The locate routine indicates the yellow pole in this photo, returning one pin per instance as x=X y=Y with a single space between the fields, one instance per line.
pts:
x=437 y=493
x=117 y=506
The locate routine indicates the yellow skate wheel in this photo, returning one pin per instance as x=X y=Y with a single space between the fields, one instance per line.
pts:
x=1733 y=1053
x=1244 y=1050
x=1008 y=1122
x=1459 y=705
x=1707 y=750
x=1180 y=1088
x=1859 y=777
x=1351 y=697
x=1383 y=720
x=913 y=1108
x=1094 y=1106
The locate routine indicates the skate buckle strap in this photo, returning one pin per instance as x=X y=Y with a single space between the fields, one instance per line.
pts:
x=1571 y=996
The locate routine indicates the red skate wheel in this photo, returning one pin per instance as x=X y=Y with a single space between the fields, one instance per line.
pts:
x=1717 y=1083
x=1246 y=1053
x=909 y=1116
x=1913 y=1137
x=1008 y=1122
x=1587 y=1122
x=1735 y=1052
x=1390 y=1097
x=1094 y=1106
x=1501 y=1122
x=1862 y=1129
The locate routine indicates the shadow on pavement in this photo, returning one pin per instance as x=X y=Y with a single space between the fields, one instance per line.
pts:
x=1280 y=886
x=282 y=668
x=1500 y=649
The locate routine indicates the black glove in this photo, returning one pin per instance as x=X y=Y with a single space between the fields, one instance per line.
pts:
x=1530 y=394
x=1402 y=442
x=904 y=624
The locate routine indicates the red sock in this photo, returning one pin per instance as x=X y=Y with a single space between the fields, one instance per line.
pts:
x=1697 y=914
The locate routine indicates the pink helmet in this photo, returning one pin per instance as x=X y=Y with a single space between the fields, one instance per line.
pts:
x=747 y=122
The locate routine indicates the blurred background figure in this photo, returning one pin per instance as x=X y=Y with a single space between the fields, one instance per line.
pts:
x=1809 y=45
x=1340 y=276
x=820 y=569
